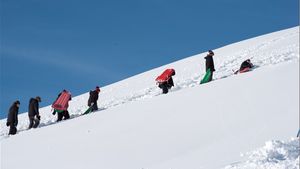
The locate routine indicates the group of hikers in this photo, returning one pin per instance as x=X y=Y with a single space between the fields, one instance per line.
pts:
x=165 y=81
x=60 y=105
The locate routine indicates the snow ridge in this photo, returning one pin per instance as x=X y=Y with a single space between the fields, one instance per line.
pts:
x=275 y=154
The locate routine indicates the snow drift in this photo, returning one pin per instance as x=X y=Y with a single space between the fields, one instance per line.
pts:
x=194 y=126
x=275 y=154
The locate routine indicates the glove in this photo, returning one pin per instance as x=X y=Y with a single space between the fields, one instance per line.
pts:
x=7 y=123
x=38 y=117
x=54 y=113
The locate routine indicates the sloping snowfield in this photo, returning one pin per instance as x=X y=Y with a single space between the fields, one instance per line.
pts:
x=192 y=127
x=275 y=154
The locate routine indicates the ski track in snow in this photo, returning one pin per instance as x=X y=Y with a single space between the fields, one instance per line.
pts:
x=275 y=154
x=225 y=65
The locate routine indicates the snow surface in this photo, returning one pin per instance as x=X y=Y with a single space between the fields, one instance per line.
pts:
x=193 y=126
x=275 y=154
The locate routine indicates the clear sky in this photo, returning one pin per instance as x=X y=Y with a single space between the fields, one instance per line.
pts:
x=51 y=45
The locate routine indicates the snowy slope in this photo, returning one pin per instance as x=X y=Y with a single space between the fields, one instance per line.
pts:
x=275 y=154
x=194 y=126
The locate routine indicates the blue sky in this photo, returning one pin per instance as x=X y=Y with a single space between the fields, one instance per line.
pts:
x=50 y=45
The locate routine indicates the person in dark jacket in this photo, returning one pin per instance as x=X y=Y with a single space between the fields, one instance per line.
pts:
x=209 y=63
x=94 y=95
x=33 y=112
x=165 y=86
x=62 y=114
x=246 y=64
x=165 y=80
x=12 y=118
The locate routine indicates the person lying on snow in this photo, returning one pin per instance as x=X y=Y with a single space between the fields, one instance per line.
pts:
x=245 y=66
x=165 y=81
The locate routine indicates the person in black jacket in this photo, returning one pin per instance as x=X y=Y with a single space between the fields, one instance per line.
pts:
x=246 y=64
x=94 y=95
x=209 y=63
x=12 y=118
x=165 y=86
x=33 y=112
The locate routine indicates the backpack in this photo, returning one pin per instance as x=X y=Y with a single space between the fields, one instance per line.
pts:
x=165 y=76
x=62 y=103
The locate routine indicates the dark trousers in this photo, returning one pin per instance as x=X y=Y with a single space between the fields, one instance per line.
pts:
x=33 y=122
x=165 y=87
x=61 y=115
x=12 y=129
x=94 y=107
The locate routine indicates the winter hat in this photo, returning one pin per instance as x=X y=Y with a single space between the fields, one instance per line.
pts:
x=38 y=98
x=210 y=52
x=97 y=88
x=17 y=102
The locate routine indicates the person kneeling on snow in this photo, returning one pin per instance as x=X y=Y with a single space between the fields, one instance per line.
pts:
x=61 y=105
x=94 y=95
x=165 y=81
x=245 y=66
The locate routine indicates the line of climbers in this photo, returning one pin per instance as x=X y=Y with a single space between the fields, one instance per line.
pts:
x=165 y=81
x=59 y=107
x=61 y=104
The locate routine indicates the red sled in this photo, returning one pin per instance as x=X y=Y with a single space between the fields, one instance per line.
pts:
x=247 y=69
x=165 y=76
x=62 y=103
